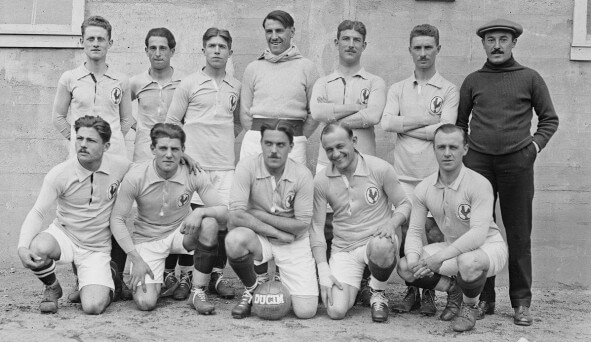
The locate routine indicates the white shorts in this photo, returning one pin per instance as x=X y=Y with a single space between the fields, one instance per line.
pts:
x=221 y=181
x=296 y=265
x=154 y=253
x=348 y=266
x=251 y=146
x=494 y=247
x=93 y=267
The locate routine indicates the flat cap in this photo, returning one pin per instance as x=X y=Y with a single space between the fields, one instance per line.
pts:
x=500 y=24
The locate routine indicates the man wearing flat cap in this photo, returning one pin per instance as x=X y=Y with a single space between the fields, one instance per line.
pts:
x=501 y=98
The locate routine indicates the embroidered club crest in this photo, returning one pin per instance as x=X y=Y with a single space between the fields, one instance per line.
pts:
x=112 y=190
x=364 y=96
x=436 y=105
x=116 y=95
x=183 y=199
x=464 y=212
x=233 y=100
x=289 y=199
x=372 y=195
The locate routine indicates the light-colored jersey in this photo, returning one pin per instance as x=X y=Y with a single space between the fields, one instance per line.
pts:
x=278 y=90
x=208 y=110
x=414 y=158
x=100 y=98
x=153 y=101
x=162 y=204
x=84 y=200
x=360 y=88
x=360 y=206
x=290 y=197
x=463 y=211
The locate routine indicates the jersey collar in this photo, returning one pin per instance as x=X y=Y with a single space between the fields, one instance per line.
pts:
x=455 y=185
x=154 y=177
x=83 y=173
x=436 y=80
x=338 y=75
x=361 y=170
x=288 y=172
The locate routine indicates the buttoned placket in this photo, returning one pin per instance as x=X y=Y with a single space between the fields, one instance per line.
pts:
x=349 y=189
x=164 y=198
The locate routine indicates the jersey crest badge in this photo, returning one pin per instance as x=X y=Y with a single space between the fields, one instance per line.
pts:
x=464 y=212
x=372 y=194
x=436 y=105
x=183 y=199
x=364 y=96
x=116 y=95
x=289 y=199
x=233 y=100
x=112 y=190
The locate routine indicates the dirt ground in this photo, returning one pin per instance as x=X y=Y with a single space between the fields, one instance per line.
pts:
x=562 y=313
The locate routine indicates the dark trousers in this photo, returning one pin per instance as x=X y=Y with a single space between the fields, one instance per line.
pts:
x=512 y=179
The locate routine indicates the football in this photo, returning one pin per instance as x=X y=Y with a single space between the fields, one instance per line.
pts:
x=271 y=301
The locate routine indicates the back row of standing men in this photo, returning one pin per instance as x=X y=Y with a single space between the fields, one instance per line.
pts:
x=281 y=94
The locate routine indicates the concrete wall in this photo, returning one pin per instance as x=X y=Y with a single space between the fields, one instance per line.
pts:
x=30 y=145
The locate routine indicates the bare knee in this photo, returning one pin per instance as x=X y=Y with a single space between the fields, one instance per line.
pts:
x=145 y=303
x=469 y=266
x=304 y=307
x=95 y=308
x=95 y=299
x=45 y=246
x=403 y=270
x=236 y=242
x=336 y=312
x=208 y=234
x=382 y=251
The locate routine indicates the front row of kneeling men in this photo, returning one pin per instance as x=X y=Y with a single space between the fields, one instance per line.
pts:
x=276 y=211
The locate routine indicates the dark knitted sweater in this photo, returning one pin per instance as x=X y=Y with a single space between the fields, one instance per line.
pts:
x=500 y=99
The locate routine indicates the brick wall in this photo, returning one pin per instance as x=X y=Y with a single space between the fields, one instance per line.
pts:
x=30 y=145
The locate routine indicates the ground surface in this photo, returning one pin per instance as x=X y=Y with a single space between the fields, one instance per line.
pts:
x=562 y=313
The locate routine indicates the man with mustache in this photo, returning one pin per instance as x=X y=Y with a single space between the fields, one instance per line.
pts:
x=352 y=97
x=84 y=188
x=496 y=107
x=415 y=108
x=278 y=85
x=94 y=88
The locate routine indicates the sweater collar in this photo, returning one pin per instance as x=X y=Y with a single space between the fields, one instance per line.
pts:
x=508 y=65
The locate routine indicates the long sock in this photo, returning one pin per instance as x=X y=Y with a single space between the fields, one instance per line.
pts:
x=488 y=292
x=204 y=257
x=170 y=262
x=380 y=273
x=427 y=282
x=185 y=260
x=222 y=258
x=46 y=273
x=474 y=288
x=244 y=269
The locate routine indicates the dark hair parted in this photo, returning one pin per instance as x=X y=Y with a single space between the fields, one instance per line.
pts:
x=167 y=130
x=425 y=30
x=164 y=33
x=101 y=126
x=352 y=25
x=281 y=16
x=450 y=128
x=333 y=126
x=96 y=20
x=281 y=126
x=217 y=32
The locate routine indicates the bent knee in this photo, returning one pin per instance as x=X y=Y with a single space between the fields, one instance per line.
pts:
x=236 y=240
x=44 y=245
x=403 y=271
x=95 y=308
x=336 y=312
x=304 y=307
x=470 y=265
x=305 y=313
x=146 y=304
x=382 y=251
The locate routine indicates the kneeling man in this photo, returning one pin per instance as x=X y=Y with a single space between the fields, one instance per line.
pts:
x=361 y=190
x=84 y=188
x=165 y=224
x=461 y=201
x=270 y=215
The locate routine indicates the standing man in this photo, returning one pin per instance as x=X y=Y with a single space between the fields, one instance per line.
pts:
x=84 y=188
x=278 y=86
x=95 y=89
x=414 y=109
x=461 y=201
x=270 y=214
x=496 y=105
x=207 y=103
x=353 y=97
x=361 y=190
x=162 y=189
